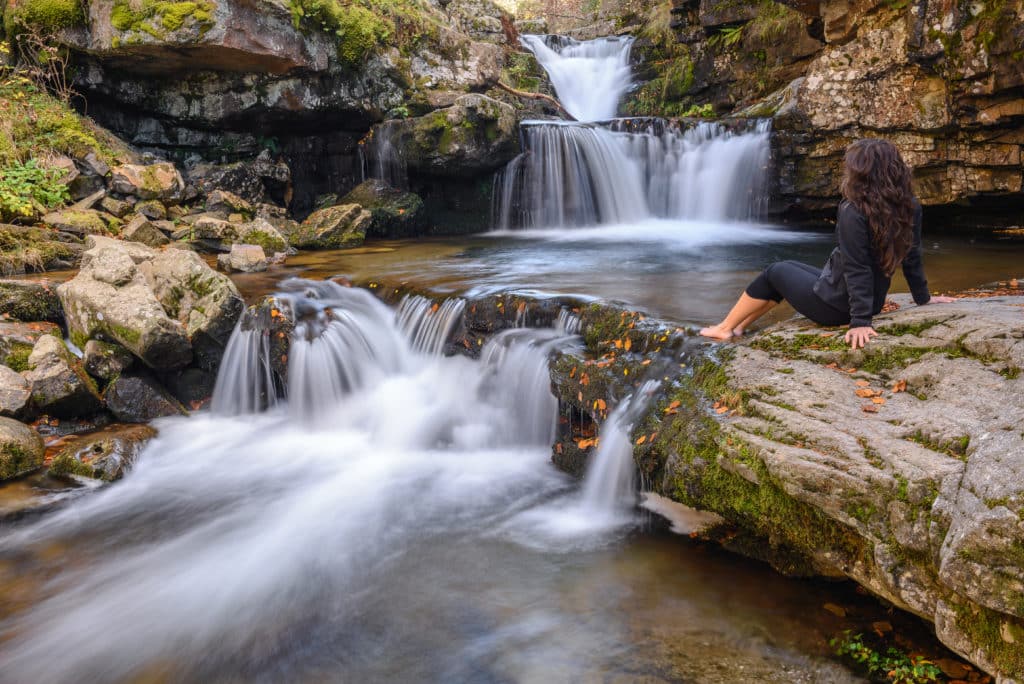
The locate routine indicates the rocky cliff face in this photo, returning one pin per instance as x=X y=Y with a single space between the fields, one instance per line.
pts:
x=224 y=80
x=942 y=80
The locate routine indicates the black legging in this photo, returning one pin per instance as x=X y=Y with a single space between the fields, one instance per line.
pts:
x=794 y=282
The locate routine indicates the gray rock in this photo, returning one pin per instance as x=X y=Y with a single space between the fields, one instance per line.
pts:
x=244 y=259
x=21 y=449
x=30 y=300
x=18 y=339
x=95 y=165
x=106 y=360
x=90 y=201
x=224 y=203
x=85 y=186
x=155 y=181
x=139 y=398
x=15 y=394
x=396 y=213
x=110 y=299
x=104 y=455
x=60 y=386
x=115 y=207
x=85 y=222
x=332 y=228
x=152 y=209
x=139 y=229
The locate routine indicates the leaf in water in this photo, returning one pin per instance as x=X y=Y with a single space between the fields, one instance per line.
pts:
x=646 y=362
x=434 y=308
x=627 y=344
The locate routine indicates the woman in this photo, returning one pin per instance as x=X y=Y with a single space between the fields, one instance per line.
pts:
x=878 y=229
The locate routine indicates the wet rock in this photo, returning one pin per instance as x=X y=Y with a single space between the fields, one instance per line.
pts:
x=30 y=300
x=152 y=209
x=192 y=387
x=86 y=222
x=18 y=339
x=395 y=213
x=106 y=360
x=139 y=398
x=60 y=386
x=155 y=181
x=253 y=181
x=15 y=394
x=226 y=233
x=332 y=228
x=21 y=449
x=104 y=455
x=244 y=259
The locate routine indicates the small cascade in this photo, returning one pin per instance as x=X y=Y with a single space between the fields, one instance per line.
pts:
x=568 y=323
x=426 y=324
x=590 y=77
x=609 y=484
x=381 y=157
x=627 y=171
x=245 y=383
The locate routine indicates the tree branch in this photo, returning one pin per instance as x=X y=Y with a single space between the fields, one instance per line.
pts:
x=536 y=96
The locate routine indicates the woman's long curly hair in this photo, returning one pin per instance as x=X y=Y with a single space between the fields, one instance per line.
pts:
x=876 y=181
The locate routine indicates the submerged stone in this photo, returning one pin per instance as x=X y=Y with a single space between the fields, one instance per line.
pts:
x=103 y=455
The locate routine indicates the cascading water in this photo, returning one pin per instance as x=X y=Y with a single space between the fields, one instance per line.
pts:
x=608 y=171
x=590 y=77
x=584 y=175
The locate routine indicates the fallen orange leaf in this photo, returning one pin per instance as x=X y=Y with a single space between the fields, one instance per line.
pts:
x=641 y=439
x=862 y=383
x=899 y=386
x=865 y=392
x=878 y=400
x=869 y=408
x=627 y=344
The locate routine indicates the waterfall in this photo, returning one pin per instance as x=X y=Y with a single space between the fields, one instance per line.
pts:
x=627 y=171
x=429 y=325
x=381 y=155
x=590 y=77
x=609 y=483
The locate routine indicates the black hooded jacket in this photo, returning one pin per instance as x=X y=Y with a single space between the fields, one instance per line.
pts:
x=853 y=279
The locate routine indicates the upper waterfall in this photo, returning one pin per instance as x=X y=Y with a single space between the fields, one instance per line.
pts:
x=590 y=77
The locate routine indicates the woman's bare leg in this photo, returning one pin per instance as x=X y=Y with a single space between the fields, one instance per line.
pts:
x=745 y=323
x=745 y=311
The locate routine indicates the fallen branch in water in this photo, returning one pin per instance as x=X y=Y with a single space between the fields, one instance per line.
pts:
x=536 y=96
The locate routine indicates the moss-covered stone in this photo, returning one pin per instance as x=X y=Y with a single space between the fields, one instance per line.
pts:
x=44 y=16
x=157 y=18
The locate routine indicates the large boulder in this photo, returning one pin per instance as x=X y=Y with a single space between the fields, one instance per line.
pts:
x=395 y=213
x=335 y=227
x=21 y=449
x=165 y=307
x=224 y=233
x=140 y=229
x=475 y=135
x=60 y=386
x=154 y=181
x=103 y=455
x=106 y=360
x=30 y=300
x=242 y=183
x=139 y=398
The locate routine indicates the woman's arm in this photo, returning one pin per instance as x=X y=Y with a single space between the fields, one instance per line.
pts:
x=913 y=268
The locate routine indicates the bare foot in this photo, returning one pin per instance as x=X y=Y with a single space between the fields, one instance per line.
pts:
x=738 y=332
x=716 y=332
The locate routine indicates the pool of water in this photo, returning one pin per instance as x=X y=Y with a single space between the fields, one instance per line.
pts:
x=686 y=271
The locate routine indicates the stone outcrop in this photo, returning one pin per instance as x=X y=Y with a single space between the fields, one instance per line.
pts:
x=395 y=213
x=30 y=300
x=941 y=80
x=898 y=466
x=244 y=259
x=165 y=307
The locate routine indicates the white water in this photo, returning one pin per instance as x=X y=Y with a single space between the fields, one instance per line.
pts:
x=237 y=529
x=590 y=77
x=574 y=176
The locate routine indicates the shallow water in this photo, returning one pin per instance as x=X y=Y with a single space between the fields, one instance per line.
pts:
x=690 y=272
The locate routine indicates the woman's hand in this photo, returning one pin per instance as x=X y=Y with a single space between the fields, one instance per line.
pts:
x=939 y=299
x=859 y=337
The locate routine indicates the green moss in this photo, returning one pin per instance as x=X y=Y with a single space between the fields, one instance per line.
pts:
x=892 y=357
x=45 y=16
x=985 y=629
x=954 y=448
x=158 y=17
x=65 y=464
x=128 y=336
x=16 y=461
x=899 y=329
x=16 y=357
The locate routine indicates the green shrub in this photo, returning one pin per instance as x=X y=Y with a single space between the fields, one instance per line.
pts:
x=894 y=665
x=25 y=188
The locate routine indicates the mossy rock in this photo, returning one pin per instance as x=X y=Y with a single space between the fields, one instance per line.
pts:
x=395 y=213
x=21 y=449
x=44 y=16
